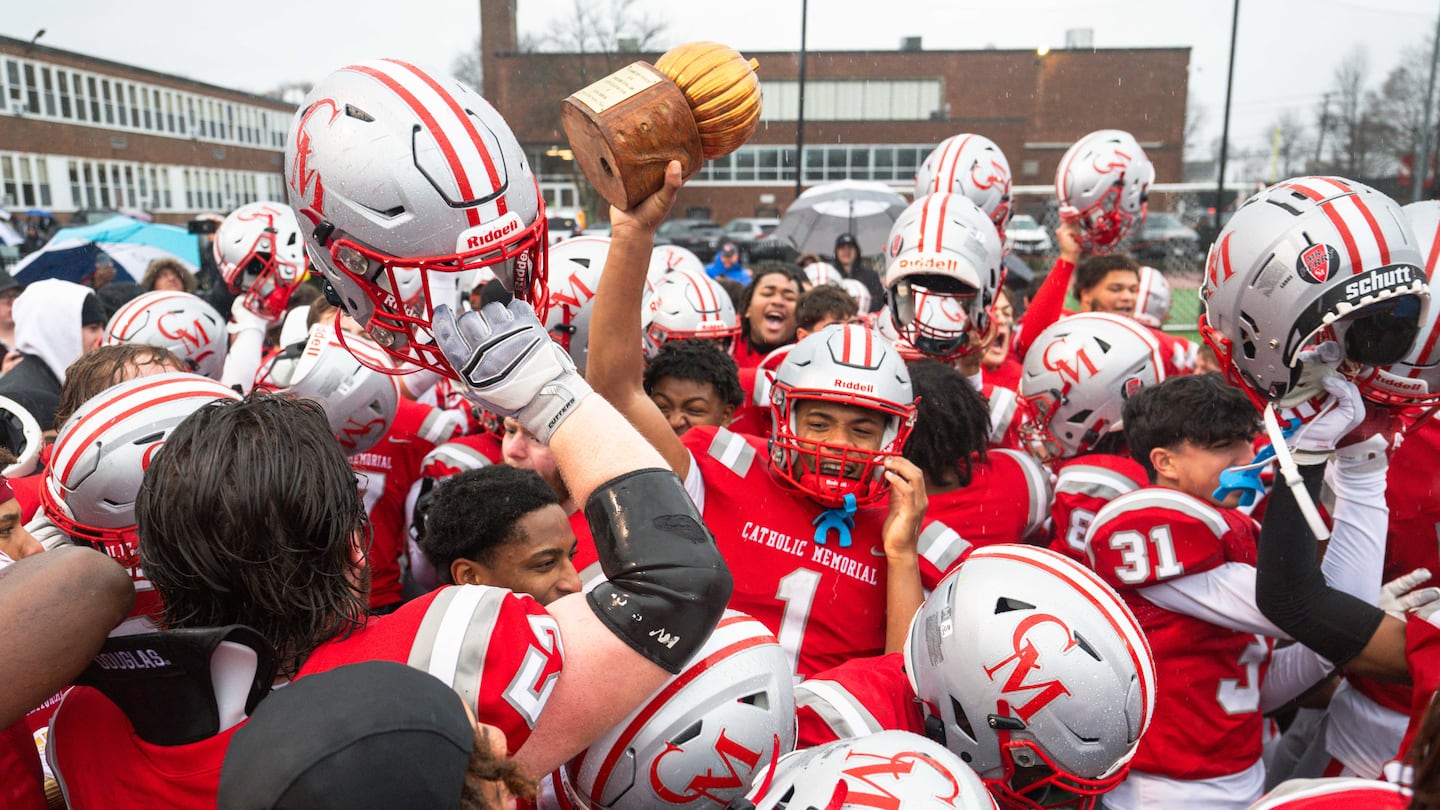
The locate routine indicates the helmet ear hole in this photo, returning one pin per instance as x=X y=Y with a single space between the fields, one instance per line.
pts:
x=962 y=721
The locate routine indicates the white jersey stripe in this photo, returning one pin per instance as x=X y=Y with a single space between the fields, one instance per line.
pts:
x=942 y=545
x=733 y=451
x=845 y=715
x=1095 y=481
x=1161 y=498
x=454 y=636
x=1038 y=481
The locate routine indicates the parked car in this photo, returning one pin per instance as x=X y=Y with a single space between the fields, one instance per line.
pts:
x=564 y=223
x=1164 y=236
x=698 y=236
x=1026 y=236
x=746 y=231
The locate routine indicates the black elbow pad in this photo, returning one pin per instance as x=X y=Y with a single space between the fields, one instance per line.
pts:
x=667 y=584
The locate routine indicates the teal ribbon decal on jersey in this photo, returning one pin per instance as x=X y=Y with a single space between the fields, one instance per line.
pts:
x=1245 y=478
x=840 y=520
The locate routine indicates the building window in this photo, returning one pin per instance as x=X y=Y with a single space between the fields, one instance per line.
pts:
x=134 y=107
x=94 y=96
x=47 y=77
x=32 y=93
x=853 y=100
x=1029 y=168
x=64 y=81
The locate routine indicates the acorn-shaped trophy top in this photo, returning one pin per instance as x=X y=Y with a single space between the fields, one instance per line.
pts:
x=722 y=90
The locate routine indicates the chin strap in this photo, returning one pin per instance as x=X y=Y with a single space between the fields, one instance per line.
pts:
x=840 y=520
x=1290 y=473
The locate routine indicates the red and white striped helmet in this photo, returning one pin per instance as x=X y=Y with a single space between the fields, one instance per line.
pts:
x=971 y=166
x=575 y=266
x=394 y=166
x=846 y=364
x=359 y=401
x=823 y=273
x=1152 y=300
x=1305 y=262
x=102 y=450
x=688 y=306
x=178 y=321
x=261 y=254
x=708 y=734
x=1415 y=378
x=669 y=258
x=1024 y=661
x=1102 y=183
x=858 y=291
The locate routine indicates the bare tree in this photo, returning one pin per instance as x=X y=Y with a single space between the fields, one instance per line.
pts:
x=468 y=67
x=1398 y=105
x=1348 y=122
x=1196 y=117
x=1288 y=145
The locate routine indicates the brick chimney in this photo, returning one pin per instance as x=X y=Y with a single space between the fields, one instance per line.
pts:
x=498 y=35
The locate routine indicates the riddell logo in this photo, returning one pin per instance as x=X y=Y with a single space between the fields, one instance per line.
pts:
x=926 y=263
x=846 y=385
x=483 y=236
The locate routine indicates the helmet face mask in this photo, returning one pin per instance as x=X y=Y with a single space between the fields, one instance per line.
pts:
x=261 y=255
x=1413 y=379
x=1102 y=184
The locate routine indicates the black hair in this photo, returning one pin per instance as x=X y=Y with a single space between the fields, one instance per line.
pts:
x=1197 y=408
x=952 y=423
x=1093 y=269
x=475 y=512
x=791 y=272
x=824 y=301
x=701 y=361
x=249 y=514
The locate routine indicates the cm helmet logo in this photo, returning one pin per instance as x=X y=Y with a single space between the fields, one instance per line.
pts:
x=737 y=766
x=1026 y=658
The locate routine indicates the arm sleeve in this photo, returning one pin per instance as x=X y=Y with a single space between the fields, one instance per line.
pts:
x=1293 y=669
x=243 y=359
x=1223 y=596
x=1045 y=308
x=1355 y=556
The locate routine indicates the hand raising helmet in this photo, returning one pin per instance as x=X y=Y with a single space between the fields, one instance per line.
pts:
x=393 y=166
x=971 y=166
x=261 y=254
x=1033 y=671
x=1308 y=262
x=178 y=321
x=1102 y=183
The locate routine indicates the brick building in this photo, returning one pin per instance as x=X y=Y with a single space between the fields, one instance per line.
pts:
x=869 y=115
x=77 y=132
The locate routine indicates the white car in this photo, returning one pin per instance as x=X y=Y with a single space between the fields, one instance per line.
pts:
x=1026 y=236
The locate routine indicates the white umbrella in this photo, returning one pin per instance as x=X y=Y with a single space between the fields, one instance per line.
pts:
x=862 y=208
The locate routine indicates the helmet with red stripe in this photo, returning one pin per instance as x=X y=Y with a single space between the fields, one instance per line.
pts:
x=178 y=321
x=688 y=306
x=1152 y=300
x=391 y=166
x=1306 y=262
x=359 y=401
x=1102 y=183
x=884 y=323
x=943 y=271
x=1076 y=378
x=102 y=450
x=858 y=291
x=669 y=258
x=261 y=254
x=575 y=266
x=893 y=769
x=704 y=738
x=1033 y=671
x=971 y=166
x=848 y=365
x=823 y=273
x=1415 y=378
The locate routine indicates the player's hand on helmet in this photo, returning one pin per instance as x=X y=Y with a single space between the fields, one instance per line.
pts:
x=46 y=533
x=1341 y=411
x=647 y=214
x=908 y=500
x=1067 y=236
x=242 y=319
x=510 y=366
x=1399 y=596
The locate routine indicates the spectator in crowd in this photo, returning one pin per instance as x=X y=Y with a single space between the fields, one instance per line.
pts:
x=727 y=264
x=168 y=275
x=852 y=265
x=55 y=323
x=9 y=291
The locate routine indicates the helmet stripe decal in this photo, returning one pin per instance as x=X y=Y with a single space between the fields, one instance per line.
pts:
x=135 y=309
x=1327 y=204
x=952 y=160
x=940 y=224
x=216 y=391
x=924 y=216
x=1425 y=353
x=1366 y=213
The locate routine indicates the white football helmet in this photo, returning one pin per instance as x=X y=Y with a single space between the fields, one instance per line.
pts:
x=943 y=271
x=971 y=166
x=711 y=731
x=823 y=273
x=1311 y=261
x=1102 y=183
x=1152 y=300
x=688 y=306
x=102 y=450
x=393 y=166
x=20 y=427
x=846 y=364
x=261 y=254
x=1034 y=672
x=575 y=266
x=858 y=291
x=1415 y=378
x=178 y=321
x=359 y=401
x=883 y=322
x=1077 y=375
x=891 y=769
x=668 y=258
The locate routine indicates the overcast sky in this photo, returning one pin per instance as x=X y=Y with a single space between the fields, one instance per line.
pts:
x=1286 y=56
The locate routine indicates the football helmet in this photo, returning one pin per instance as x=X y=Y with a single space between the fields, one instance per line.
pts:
x=844 y=364
x=688 y=306
x=823 y=273
x=1152 y=301
x=709 y=733
x=277 y=368
x=19 y=427
x=1305 y=262
x=261 y=254
x=668 y=258
x=1034 y=672
x=973 y=167
x=1076 y=378
x=178 y=321
x=884 y=323
x=102 y=450
x=858 y=291
x=1415 y=378
x=575 y=266
x=890 y=769
x=1102 y=183
x=393 y=166
x=359 y=401
x=943 y=270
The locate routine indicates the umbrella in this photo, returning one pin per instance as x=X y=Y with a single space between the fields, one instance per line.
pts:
x=862 y=208
x=169 y=238
x=74 y=260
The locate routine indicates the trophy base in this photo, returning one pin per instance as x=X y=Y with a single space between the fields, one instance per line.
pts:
x=626 y=128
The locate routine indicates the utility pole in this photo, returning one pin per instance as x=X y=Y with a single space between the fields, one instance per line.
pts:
x=1225 y=127
x=1422 y=168
x=800 y=117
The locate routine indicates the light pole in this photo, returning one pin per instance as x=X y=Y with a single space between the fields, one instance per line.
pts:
x=1225 y=126
x=800 y=117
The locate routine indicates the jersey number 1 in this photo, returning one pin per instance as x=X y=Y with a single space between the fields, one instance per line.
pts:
x=797 y=590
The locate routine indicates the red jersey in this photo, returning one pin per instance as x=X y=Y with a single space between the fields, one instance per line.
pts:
x=861 y=696
x=386 y=472
x=753 y=415
x=1004 y=406
x=22 y=784
x=746 y=356
x=586 y=560
x=499 y=651
x=1207 y=720
x=1083 y=485
x=1006 y=501
x=1335 y=794
x=823 y=601
x=1176 y=353
x=1007 y=374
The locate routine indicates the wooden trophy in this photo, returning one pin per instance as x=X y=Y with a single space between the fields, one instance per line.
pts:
x=698 y=101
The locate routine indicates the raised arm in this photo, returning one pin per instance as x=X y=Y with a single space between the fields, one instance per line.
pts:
x=1049 y=300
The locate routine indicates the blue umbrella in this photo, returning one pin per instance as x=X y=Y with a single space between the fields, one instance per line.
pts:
x=74 y=260
x=124 y=230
